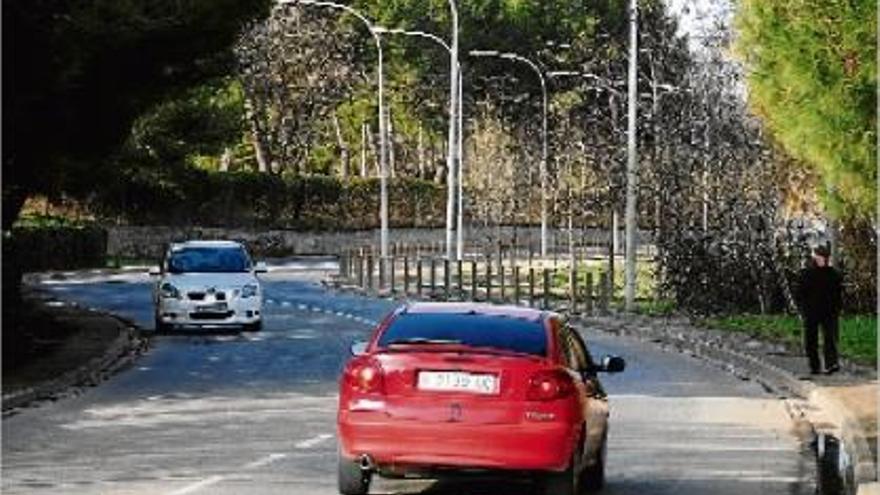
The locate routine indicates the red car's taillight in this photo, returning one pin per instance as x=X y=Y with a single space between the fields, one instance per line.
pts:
x=366 y=376
x=549 y=385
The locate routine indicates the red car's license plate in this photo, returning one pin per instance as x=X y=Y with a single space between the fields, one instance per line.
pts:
x=458 y=381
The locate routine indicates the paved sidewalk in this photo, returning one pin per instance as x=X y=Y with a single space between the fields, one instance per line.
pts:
x=843 y=405
x=62 y=347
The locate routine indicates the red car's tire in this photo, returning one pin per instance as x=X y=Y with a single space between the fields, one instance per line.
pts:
x=352 y=480
x=594 y=476
x=564 y=483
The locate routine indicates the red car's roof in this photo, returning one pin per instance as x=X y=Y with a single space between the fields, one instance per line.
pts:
x=478 y=308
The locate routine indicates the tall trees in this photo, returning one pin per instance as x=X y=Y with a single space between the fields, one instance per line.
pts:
x=812 y=75
x=77 y=74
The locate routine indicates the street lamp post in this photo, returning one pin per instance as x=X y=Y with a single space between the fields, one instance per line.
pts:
x=632 y=163
x=383 y=133
x=459 y=148
x=543 y=169
x=451 y=147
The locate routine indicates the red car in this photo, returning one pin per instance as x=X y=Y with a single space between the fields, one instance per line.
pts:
x=471 y=388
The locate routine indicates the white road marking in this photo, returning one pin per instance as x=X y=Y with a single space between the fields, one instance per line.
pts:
x=265 y=461
x=285 y=303
x=307 y=444
x=213 y=480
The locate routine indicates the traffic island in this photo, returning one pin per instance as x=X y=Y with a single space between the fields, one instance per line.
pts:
x=53 y=349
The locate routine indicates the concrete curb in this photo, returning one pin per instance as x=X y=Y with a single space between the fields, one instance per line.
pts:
x=125 y=349
x=826 y=414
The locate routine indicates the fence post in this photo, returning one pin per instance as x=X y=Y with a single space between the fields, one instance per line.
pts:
x=406 y=275
x=572 y=290
x=531 y=286
x=603 y=292
x=516 y=285
x=433 y=276
x=502 y=281
x=489 y=278
x=383 y=266
x=546 y=294
x=473 y=280
x=461 y=290
x=370 y=262
x=360 y=270
x=588 y=294
x=391 y=263
x=343 y=263
x=447 y=279
x=419 y=277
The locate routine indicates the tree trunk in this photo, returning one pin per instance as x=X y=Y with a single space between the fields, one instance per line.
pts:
x=364 y=150
x=225 y=159
x=343 y=149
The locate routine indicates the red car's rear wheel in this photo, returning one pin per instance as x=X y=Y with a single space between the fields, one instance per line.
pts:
x=352 y=480
x=564 y=483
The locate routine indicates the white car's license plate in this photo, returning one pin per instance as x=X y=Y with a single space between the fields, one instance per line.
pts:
x=212 y=308
x=458 y=381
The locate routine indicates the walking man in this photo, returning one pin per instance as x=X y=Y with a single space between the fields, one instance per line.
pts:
x=819 y=296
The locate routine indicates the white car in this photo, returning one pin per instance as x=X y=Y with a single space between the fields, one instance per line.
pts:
x=208 y=284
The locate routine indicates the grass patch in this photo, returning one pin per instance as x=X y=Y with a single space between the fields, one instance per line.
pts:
x=858 y=333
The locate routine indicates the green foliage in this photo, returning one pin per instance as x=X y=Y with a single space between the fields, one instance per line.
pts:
x=193 y=128
x=858 y=333
x=40 y=247
x=192 y=196
x=80 y=72
x=813 y=78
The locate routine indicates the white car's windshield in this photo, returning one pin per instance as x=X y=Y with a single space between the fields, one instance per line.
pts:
x=208 y=260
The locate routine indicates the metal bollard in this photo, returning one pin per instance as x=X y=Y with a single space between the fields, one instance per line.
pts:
x=604 y=292
x=473 y=280
x=516 y=285
x=419 y=277
x=488 y=278
x=546 y=294
x=370 y=263
x=391 y=275
x=383 y=269
x=588 y=293
x=461 y=290
x=501 y=281
x=447 y=279
x=406 y=275
x=433 y=276
x=532 y=286
x=573 y=290
x=360 y=271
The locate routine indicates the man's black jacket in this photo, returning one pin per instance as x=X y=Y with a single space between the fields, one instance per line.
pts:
x=820 y=292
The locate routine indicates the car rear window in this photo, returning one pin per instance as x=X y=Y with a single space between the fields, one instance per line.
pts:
x=478 y=330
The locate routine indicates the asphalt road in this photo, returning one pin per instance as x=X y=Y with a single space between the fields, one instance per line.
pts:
x=254 y=413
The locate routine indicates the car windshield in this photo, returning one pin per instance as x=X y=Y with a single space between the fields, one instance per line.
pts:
x=208 y=260
x=469 y=329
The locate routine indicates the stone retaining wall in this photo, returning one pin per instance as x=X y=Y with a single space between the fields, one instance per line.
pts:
x=150 y=242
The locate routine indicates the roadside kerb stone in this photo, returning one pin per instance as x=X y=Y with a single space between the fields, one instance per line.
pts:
x=825 y=413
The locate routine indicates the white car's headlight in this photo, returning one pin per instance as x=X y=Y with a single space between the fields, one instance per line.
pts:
x=168 y=291
x=250 y=290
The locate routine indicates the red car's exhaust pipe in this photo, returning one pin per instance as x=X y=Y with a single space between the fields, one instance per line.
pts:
x=366 y=463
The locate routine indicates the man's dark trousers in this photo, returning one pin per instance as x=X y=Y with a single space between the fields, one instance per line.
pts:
x=829 y=337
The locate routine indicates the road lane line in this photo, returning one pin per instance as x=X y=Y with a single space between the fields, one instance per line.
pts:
x=307 y=444
x=265 y=461
x=213 y=480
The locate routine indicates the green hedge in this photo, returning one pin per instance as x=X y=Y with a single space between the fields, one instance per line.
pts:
x=29 y=249
x=247 y=199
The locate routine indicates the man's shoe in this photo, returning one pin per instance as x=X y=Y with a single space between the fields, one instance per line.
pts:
x=832 y=369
